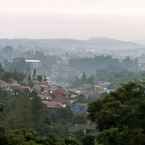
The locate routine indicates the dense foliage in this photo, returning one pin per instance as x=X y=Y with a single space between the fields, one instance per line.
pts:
x=106 y=68
x=120 y=115
x=104 y=63
x=24 y=120
x=119 y=118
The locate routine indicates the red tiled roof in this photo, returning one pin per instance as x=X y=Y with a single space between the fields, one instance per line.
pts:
x=59 y=92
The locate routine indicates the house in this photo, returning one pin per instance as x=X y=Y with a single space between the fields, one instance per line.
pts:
x=103 y=84
x=4 y=85
x=20 y=88
x=79 y=107
x=45 y=97
x=54 y=104
x=74 y=91
x=44 y=83
x=103 y=87
x=99 y=89
x=59 y=92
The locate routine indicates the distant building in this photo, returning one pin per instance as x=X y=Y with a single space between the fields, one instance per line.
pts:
x=79 y=108
x=34 y=64
x=103 y=87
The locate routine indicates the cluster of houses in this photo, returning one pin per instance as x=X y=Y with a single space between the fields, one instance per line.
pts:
x=13 y=85
x=55 y=96
x=52 y=96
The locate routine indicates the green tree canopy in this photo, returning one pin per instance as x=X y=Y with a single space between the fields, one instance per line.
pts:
x=120 y=115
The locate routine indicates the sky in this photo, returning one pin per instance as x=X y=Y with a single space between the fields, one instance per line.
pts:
x=81 y=19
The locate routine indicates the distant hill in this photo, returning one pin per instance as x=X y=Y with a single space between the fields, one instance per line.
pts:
x=96 y=44
x=49 y=43
x=113 y=43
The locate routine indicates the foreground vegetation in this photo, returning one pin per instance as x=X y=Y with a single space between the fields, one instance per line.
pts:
x=119 y=118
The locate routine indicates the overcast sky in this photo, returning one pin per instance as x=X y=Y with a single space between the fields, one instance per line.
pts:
x=121 y=19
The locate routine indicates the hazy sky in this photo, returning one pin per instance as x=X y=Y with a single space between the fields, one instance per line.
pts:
x=121 y=19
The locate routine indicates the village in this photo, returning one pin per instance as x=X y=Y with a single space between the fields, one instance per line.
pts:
x=55 y=96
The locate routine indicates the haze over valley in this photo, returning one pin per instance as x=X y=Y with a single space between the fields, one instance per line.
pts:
x=72 y=72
